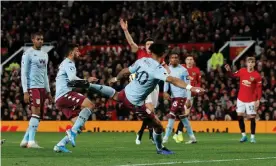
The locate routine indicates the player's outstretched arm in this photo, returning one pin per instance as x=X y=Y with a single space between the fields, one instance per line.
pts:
x=179 y=83
x=122 y=73
x=230 y=73
x=133 y=45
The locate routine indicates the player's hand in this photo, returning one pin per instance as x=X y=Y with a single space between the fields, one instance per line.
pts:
x=166 y=96
x=26 y=97
x=123 y=24
x=113 y=80
x=197 y=90
x=92 y=79
x=227 y=67
x=257 y=104
x=49 y=96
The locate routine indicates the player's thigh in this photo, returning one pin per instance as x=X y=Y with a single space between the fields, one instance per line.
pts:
x=36 y=100
x=152 y=98
x=241 y=108
x=87 y=103
x=250 y=109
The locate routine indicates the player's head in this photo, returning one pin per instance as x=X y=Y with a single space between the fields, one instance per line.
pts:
x=37 y=39
x=174 y=59
x=148 y=43
x=250 y=63
x=158 y=49
x=190 y=61
x=73 y=51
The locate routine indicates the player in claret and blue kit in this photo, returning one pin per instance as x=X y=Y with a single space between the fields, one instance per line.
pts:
x=180 y=98
x=249 y=95
x=148 y=72
x=74 y=106
x=35 y=84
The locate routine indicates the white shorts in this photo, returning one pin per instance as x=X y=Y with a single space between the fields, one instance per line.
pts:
x=248 y=108
x=153 y=97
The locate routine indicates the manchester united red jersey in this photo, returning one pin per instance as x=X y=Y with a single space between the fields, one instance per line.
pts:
x=141 y=53
x=250 y=85
x=194 y=75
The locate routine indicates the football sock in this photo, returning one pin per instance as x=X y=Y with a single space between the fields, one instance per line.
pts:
x=82 y=118
x=188 y=127
x=33 y=124
x=253 y=126
x=241 y=124
x=150 y=132
x=179 y=128
x=169 y=127
x=26 y=136
x=141 y=131
x=157 y=139
x=64 y=141
x=105 y=90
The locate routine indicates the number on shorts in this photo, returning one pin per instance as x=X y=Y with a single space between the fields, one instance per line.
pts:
x=251 y=107
x=175 y=103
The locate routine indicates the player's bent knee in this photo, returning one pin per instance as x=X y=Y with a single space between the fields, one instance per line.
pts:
x=88 y=104
x=171 y=115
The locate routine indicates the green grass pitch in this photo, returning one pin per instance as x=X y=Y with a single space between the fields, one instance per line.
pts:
x=114 y=149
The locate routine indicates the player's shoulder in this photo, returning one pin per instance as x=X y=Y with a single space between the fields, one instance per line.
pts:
x=28 y=51
x=257 y=73
x=184 y=69
x=243 y=69
x=196 y=69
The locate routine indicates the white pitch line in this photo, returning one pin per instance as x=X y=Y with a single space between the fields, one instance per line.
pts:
x=200 y=161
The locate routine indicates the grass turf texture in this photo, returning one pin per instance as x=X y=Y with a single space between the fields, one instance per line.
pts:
x=113 y=149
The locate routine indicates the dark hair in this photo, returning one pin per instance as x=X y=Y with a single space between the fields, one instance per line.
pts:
x=148 y=39
x=70 y=48
x=174 y=53
x=190 y=56
x=158 y=48
x=33 y=35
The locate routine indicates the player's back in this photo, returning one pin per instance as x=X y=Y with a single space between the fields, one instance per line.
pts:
x=62 y=77
x=36 y=61
x=248 y=84
x=145 y=80
x=181 y=73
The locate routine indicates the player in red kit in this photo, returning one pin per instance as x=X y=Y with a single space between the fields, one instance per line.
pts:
x=195 y=80
x=152 y=100
x=249 y=95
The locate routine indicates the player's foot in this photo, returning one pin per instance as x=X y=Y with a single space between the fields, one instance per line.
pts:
x=33 y=145
x=253 y=140
x=175 y=138
x=165 y=151
x=243 y=139
x=191 y=142
x=23 y=144
x=180 y=137
x=137 y=141
x=72 y=137
x=61 y=149
x=2 y=141
x=165 y=140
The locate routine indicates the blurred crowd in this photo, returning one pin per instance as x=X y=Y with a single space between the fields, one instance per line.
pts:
x=96 y=23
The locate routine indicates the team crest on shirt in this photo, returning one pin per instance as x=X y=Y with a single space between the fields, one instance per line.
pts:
x=251 y=79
